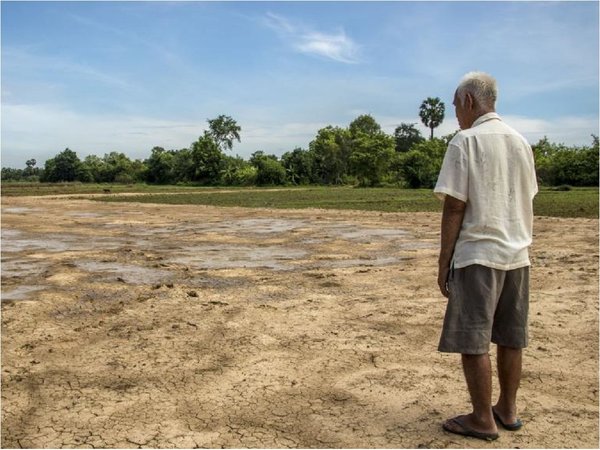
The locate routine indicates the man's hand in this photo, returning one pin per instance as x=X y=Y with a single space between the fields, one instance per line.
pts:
x=443 y=280
x=452 y=218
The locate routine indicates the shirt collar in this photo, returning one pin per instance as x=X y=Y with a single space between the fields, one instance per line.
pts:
x=485 y=118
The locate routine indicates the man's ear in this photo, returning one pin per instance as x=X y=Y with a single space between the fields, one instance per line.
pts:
x=470 y=101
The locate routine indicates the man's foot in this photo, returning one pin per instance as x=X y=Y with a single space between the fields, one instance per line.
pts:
x=461 y=425
x=510 y=426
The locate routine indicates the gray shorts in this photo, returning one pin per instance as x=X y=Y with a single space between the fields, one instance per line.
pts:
x=485 y=305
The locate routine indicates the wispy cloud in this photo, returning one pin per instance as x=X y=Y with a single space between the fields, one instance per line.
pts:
x=17 y=58
x=127 y=36
x=336 y=46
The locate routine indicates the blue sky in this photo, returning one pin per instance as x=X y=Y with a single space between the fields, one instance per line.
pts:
x=127 y=76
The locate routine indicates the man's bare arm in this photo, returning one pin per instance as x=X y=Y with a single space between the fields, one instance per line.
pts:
x=452 y=218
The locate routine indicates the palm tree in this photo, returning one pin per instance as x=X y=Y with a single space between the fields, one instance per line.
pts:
x=432 y=113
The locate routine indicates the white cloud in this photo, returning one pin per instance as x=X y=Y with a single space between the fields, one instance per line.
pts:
x=336 y=46
x=41 y=131
x=277 y=138
x=570 y=130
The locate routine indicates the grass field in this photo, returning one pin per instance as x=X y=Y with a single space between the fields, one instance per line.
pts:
x=578 y=202
x=19 y=189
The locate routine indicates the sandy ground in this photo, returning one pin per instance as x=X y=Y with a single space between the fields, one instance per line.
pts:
x=135 y=325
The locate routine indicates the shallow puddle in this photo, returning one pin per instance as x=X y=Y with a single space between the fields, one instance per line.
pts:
x=18 y=210
x=21 y=293
x=22 y=267
x=346 y=263
x=368 y=234
x=233 y=257
x=418 y=245
x=14 y=241
x=84 y=215
x=129 y=273
x=51 y=243
x=266 y=226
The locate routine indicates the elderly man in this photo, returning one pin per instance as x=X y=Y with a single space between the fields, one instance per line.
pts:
x=487 y=183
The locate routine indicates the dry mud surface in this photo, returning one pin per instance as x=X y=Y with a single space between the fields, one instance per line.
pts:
x=137 y=325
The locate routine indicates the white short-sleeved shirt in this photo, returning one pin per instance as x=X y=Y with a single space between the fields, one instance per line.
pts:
x=490 y=167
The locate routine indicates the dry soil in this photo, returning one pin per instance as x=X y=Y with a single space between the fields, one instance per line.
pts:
x=138 y=325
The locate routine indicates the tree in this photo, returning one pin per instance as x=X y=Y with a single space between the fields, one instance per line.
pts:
x=208 y=160
x=269 y=169
x=431 y=113
x=183 y=166
x=364 y=124
x=119 y=168
x=96 y=168
x=330 y=150
x=371 y=157
x=9 y=174
x=371 y=151
x=299 y=166
x=31 y=173
x=159 y=166
x=407 y=135
x=238 y=172
x=65 y=166
x=557 y=164
x=223 y=130
x=30 y=163
x=420 y=166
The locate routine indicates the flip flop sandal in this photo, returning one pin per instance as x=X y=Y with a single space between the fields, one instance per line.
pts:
x=466 y=431
x=508 y=426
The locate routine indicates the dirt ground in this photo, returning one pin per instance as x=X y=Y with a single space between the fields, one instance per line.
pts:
x=138 y=325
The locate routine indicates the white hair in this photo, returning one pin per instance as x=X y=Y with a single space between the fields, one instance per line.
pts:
x=481 y=86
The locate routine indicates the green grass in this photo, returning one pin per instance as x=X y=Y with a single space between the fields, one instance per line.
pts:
x=577 y=202
x=376 y=199
x=582 y=202
x=12 y=189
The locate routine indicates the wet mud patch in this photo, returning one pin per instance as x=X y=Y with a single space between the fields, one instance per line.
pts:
x=21 y=293
x=126 y=273
x=227 y=257
x=22 y=268
x=19 y=210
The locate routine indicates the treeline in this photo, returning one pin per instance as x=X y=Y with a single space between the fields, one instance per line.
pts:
x=361 y=154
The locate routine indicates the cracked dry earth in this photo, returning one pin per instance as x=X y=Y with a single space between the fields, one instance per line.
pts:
x=135 y=325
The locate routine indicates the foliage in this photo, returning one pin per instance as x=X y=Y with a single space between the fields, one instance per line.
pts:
x=30 y=173
x=420 y=166
x=364 y=124
x=159 y=166
x=182 y=168
x=237 y=172
x=299 y=166
x=407 y=135
x=208 y=160
x=66 y=166
x=269 y=171
x=331 y=151
x=223 y=131
x=361 y=154
x=432 y=112
x=372 y=151
x=557 y=164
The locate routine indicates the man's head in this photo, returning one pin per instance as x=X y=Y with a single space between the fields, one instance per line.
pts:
x=475 y=96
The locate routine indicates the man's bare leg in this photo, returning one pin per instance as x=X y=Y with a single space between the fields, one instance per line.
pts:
x=509 y=376
x=478 y=374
